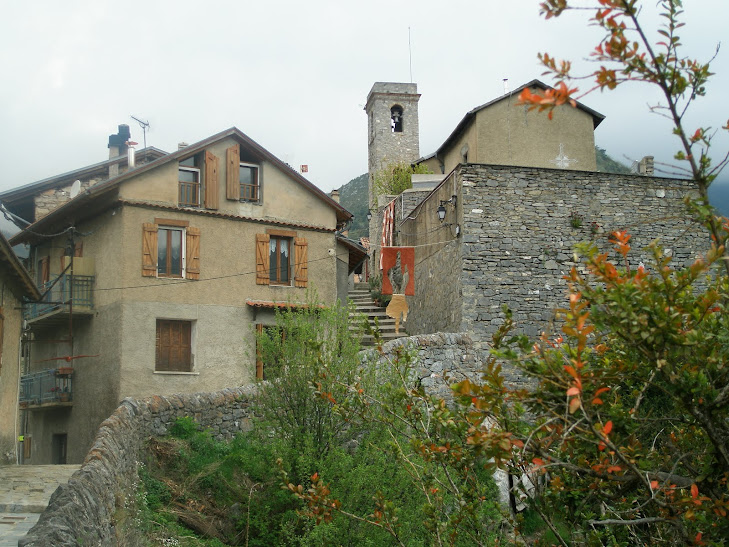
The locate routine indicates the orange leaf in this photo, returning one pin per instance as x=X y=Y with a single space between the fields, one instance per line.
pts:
x=574 y=405
x=608 y=428
x=614 y=469
x=538 y=461
x=694 y=491
x=654 y=485
x=573 y=391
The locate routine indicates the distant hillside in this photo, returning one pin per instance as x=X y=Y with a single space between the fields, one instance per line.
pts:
x=606 y=164
x=719 y=195
x=353 y=196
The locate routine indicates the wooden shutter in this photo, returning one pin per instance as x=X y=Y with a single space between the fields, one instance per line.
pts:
x=211 y=180
x=149 y=250
x=301 y=268
x=262 y=260
x=232 y=181
x=259 y=358
x=45 y=269
x=192 y=253
x=174 y=346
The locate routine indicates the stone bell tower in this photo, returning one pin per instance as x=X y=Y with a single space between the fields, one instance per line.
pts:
x=393 y=137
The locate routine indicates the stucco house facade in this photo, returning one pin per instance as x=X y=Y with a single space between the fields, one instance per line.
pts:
x=175 y=264
x=16 y=286
x=500 y=132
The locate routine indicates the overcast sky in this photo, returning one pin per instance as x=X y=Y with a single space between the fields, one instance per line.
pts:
x=294 y=75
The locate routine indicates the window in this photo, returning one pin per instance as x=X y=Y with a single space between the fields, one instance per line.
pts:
x=275 y=336
x=170 y=248
x=279 y=260
x=174 y=346
x=396 y=118
x=243 y=177
x=169 y=252
x=43 y=272
x=189 y=178
x=280 y=255
x=248 y=180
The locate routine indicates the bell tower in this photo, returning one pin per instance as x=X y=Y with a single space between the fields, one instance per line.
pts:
x=393 y=136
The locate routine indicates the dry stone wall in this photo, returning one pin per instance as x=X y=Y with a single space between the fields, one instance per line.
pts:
x=85 y=510
x=519 y=236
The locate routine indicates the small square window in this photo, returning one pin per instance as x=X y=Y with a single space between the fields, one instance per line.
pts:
x=173 y=346
x=249 y=182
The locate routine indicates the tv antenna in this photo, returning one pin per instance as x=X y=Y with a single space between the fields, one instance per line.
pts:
x=144 y=125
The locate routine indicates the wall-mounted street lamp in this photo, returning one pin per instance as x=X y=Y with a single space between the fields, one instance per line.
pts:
x=369 y=215
x=442 y=209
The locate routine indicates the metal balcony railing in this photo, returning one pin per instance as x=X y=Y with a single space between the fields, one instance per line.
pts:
x=59 y=297
x=46 y=388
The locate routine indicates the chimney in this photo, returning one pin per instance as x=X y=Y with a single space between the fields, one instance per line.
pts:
x=131 y=154
x=335 y=195
x=118 y=147
x=645 y=167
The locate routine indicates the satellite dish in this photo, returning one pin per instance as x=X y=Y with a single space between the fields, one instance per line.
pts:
x=75 y=188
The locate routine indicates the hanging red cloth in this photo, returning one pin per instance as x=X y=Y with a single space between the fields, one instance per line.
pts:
x=407 y=267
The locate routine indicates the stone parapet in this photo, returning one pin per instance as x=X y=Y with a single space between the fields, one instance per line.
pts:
x=84 y=511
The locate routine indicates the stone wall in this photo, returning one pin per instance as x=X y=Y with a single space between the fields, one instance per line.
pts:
x=53 y=198
x=90 y=509
x=437 y=304
x=85 y=511
x=518 y=239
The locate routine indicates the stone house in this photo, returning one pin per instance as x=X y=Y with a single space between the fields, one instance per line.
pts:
x=515 y=192
x=16 y=286
x=155 y=281
x=508 y=238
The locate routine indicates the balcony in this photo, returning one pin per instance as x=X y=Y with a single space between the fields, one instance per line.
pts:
x=64 y=294
x=47 y=389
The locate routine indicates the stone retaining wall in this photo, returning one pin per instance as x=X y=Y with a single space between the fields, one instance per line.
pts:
x=88 y=509
x=85 y=511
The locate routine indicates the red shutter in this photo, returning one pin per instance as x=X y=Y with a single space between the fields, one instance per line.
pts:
x=232 y=181
x=262 y=260
x=149 y=250
x=301 y=267
x=211 y=180
x=192 y=253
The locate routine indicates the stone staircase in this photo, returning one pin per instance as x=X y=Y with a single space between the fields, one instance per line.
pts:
x=362 y=300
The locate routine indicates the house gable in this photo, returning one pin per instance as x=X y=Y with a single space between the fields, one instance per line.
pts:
x=501 y=133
